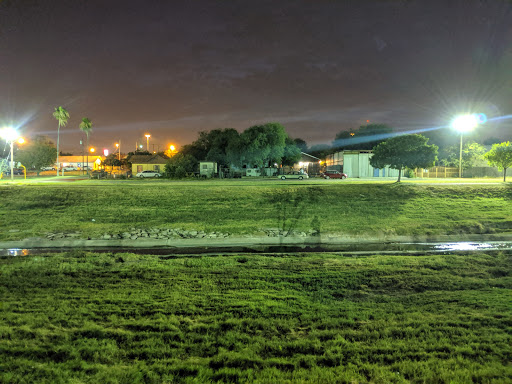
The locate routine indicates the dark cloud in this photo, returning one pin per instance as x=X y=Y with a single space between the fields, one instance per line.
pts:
x=175 y=68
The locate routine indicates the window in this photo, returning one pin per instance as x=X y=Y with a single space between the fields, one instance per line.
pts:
x=139 y=168
x=205 y=166
x=156 y=168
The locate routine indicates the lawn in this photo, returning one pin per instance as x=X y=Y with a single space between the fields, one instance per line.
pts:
x=242 y=207
x=83 y=317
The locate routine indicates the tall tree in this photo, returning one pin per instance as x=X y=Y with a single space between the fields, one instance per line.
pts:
x=86 y=127
x=263 y=144
x=292 y=152
x=500 y=156
x=212 y=145
x=301 y=144
x=178 y=165
x=62 y=116
x=472 y=155
x=38 y=153
x=219 y=141
x=411 y=151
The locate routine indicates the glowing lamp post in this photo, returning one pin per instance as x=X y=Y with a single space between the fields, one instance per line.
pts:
x=118 y=146
x=147 y=141
x=9 y=134
x=464 y=123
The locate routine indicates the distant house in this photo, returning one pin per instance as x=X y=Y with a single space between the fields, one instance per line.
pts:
x=79 y=162
x=307 y=163
x=208 y=168
x=147 y=163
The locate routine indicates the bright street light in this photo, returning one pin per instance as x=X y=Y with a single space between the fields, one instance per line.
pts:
x=118 y=146
x=147 y=140
x=9 y=134
x=464 y=123
x=92 y=150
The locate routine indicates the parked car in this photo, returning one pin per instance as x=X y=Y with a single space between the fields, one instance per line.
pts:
x=145 y=174
x=48 y=169
x=15 y=171
x=70 y=168
x=334 y=175
x=294 y=175
x=101 y=174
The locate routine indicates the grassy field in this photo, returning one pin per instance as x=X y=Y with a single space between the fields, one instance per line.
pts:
x=242 y=207
x=306 y=318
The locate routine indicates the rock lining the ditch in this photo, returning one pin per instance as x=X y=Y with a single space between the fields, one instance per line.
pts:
x=176 y=233
x=139 y=233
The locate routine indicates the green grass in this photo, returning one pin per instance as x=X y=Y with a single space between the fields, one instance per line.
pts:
x=306 y=318
x=246 y=207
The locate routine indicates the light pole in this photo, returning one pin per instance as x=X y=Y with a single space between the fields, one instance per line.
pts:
x=464 y=123
x=9 y=134
x=147 y=140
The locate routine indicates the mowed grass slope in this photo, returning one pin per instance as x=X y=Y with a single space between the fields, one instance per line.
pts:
x=308 y=318
x=240 y=207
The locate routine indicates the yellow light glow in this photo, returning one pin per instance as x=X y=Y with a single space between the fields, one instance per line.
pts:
x=117 y=145
x=172 y=147
x=92 y=150
x=147 y=135
x=21 y=140
x=98 y=161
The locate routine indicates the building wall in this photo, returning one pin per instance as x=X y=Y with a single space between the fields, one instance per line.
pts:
x=76 y=161
x=334 y=159
x=357 y=164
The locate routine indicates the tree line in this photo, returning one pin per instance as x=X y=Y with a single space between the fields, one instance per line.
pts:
x=269 y=144
x=257 y=147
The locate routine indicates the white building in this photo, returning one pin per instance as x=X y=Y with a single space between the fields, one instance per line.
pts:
x=356 y=163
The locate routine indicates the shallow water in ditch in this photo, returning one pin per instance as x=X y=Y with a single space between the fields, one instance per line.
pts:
x=363 y=248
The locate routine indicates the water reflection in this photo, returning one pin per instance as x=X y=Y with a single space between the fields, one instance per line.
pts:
x=463 y=246
x=18 y=252
x=359 y=248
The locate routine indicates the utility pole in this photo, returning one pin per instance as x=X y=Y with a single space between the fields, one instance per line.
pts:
x=82 y=144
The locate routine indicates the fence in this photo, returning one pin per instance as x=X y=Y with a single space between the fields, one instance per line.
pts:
x=437 y=172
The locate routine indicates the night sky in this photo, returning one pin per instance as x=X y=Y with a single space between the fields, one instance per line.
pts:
x=174 y=68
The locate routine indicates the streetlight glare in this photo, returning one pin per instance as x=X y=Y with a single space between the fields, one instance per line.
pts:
x=172 y=147
x=21 y=140
x=8 y=133
x=465 y=123
x=91 y=150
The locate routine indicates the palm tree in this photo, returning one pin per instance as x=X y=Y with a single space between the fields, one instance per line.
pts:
x=62 y=117
x=86 y=127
